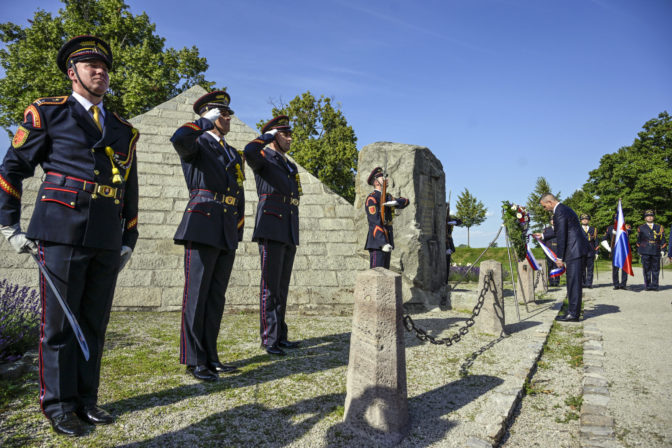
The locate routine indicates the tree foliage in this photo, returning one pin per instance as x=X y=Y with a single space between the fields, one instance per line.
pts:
x=639 y=174
x=470 y=210
x=540 y=217
x=322 y=142
x=145 y=73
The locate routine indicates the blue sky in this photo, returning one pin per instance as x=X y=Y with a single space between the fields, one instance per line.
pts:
x=502 y=91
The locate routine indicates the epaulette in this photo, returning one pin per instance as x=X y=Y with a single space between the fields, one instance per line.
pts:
x=122 y=120
x=50 y=101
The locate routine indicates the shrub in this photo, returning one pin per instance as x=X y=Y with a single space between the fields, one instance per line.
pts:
x=19 y=320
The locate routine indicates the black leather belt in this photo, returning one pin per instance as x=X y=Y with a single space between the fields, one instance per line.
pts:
x=281 y=198
x=217 y=197
x=94 y=188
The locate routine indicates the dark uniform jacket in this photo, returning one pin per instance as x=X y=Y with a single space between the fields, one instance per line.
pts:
x=549 y=239
x=215 y=212
x=380 y=233
x=78 y=203
x=650 y=241
x=610 y=238
x=572 y=241
x=591 y=234
x=278 y=187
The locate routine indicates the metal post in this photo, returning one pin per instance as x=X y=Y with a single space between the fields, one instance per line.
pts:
x=513 y=283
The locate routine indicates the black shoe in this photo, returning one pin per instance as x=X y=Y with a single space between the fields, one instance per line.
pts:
x=95 y=415
x=222 y=368
x=68 y=424
x=289 y=344
x=567 y=318
x=202 y=373
x=273 y=350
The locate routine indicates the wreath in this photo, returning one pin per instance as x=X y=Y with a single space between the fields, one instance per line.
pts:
x=517 y=221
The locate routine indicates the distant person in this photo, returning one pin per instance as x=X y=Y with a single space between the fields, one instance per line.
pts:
x=548 y=236
x=572 y=247
x=83 y=227
x=276 y=227
x=608 y=243
x=210 y=229
x=650 y=244
x=451 y=222
x=380 y=239
x=589 y=260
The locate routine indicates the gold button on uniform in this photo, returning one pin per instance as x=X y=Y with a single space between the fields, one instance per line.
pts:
x=96 y=172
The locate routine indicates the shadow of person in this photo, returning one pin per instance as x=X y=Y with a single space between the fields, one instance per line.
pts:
x=427 y=414
x=601 y=309
x=314 y=355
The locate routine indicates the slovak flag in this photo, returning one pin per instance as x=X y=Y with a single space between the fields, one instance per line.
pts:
x=622 y=252
x=530 y=259
x=556 y=272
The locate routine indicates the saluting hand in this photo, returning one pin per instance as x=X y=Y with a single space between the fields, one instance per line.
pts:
x=212 y=115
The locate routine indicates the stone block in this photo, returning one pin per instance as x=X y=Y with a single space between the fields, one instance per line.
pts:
x=491 y=319
x=525 y=283
x=376 y=403
x=136 y=298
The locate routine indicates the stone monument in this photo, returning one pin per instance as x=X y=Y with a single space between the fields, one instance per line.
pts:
x=525 y=284
x=491 y=319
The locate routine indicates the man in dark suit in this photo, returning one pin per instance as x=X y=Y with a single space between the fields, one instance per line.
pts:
x=589 y=260
x=380 y=239
x=211 y=227
x=83 y=227
x=276 y=227
x=572 y=246
x=650 y=243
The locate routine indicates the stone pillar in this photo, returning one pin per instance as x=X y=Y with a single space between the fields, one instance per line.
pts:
x=376 y=403
x=525 y=282
x=491 y=318
x=541 y=279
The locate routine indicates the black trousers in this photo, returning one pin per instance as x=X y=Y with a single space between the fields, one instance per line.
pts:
x=614 y=276
x=86 y=279
x=277 y=260
x=448 y=259
x=588 y=268
x=207 y=271
x=651 y=268
x=379 y=259
x=574 y=285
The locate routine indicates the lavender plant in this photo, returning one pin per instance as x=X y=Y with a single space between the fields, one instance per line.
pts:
x=19 y=320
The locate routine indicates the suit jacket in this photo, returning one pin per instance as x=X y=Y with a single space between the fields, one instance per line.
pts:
x=215 y=213
x=650 y=241
x=572 y=241
x=381 y=233
x=279 y=188
x=78 y=203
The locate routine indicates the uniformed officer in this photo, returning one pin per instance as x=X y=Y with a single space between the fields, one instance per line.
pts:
x=451 y=222
x=380 y=213
x=589 y=260
x=548 y=235
x=276 y=227
x=608 y=243
x=650 y=243
x=83 y=227
x=211 y=227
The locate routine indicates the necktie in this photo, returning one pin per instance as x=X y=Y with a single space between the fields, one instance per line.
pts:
x=96 y=117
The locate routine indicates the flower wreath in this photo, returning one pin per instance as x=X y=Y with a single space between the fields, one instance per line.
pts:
x=517 y=221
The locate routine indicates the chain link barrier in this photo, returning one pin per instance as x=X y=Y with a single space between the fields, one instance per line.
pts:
x=489 y=284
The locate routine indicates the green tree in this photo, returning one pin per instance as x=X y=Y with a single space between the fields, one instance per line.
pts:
x=540 y=217
x=471 y=211
x=145 y=73
x=322 y=142
x=582 y=202
x=639 y=174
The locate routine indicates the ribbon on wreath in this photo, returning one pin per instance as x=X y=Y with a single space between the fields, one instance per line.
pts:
x=556 y=272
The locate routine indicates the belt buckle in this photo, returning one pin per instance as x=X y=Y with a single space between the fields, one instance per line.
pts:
x=229 y=200
x=294 y=201
x=106 y=191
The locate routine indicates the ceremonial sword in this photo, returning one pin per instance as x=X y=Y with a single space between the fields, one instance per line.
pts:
x=66 y=309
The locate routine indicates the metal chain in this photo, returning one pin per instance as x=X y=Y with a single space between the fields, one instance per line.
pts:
x=464 y=277
x=422 y=334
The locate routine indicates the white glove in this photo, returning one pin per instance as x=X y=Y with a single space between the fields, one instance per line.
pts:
x=391 y=203
x=212 y=115
x=126 y=253
x=272 y=132
x=606 y=246
x=18 y=240
x=387 y=248
x=449 y=251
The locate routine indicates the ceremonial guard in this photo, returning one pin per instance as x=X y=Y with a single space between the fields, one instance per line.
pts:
x=380 y=208
x=211 y=227
x=276 y=228
x=608 y=243
x=589 y=259
x=451 y=222
x=548 y=235
x=83 y=228
x=650 y=244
